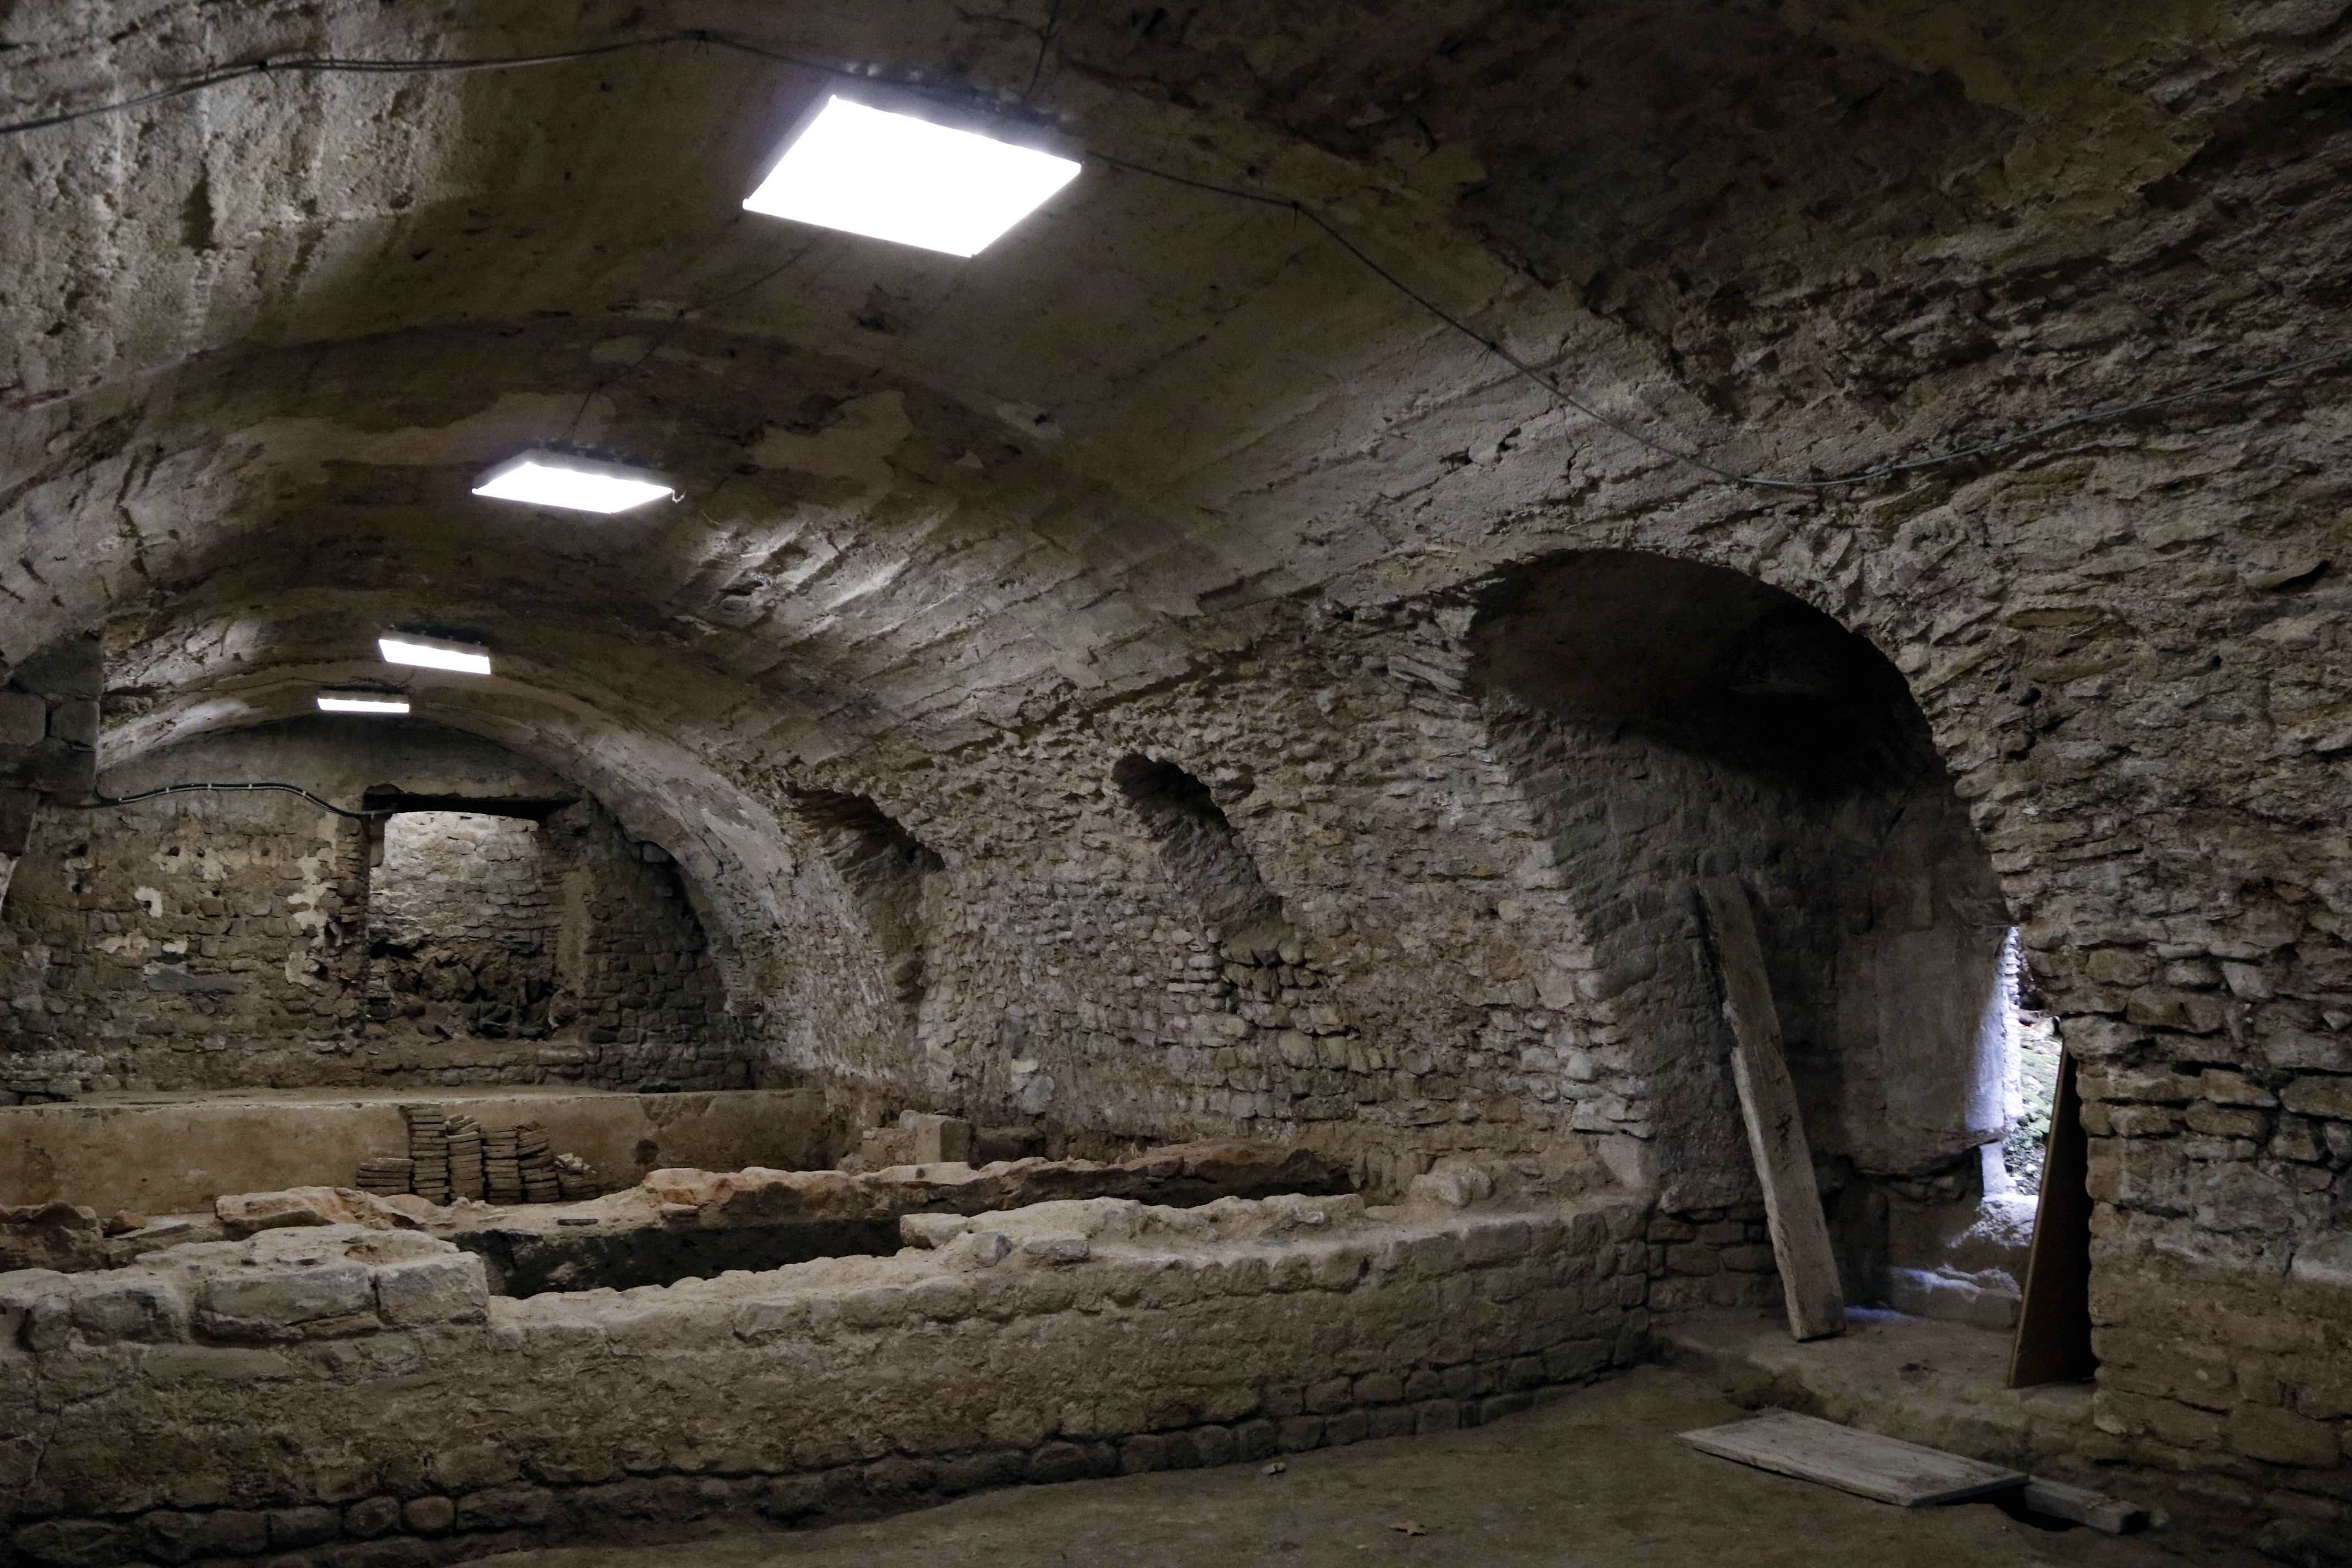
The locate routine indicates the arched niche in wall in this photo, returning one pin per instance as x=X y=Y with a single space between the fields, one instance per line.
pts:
x=205 y=940
x=1671 y=719
x=882 y=865
x=1205 y=858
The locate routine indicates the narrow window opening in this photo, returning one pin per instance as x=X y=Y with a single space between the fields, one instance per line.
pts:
x=2032 y=1071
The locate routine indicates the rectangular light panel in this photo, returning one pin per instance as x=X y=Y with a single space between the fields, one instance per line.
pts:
x=574 y=484
x=432 y=653
x=892 y=177
x=362 y=704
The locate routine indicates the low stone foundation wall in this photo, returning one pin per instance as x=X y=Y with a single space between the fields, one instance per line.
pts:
x=175 y=1153
x=343 y=1398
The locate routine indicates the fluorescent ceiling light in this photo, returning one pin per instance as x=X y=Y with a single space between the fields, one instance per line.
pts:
x=894 y=176
x=350 y=704
x=434 y=653
x=575 y=484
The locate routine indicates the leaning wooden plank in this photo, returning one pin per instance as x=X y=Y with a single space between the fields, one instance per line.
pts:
x=1885 y=1469
x=1776 y=1133
x=2053 y=1322
x=2084 y=1506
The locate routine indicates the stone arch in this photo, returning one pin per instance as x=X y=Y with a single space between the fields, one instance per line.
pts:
x=1204 y=854
x=1669 y=720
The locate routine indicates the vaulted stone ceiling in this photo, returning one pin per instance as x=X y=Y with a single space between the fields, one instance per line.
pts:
x=262 y=337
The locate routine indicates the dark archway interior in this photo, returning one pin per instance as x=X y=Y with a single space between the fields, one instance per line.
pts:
x=1706 y=660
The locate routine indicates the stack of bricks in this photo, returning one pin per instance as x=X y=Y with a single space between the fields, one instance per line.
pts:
x=428 y=1146
x=536 y=1158
x=385 y=1174
x=465 y=1136
x=501 y=1166
x=575 y=1178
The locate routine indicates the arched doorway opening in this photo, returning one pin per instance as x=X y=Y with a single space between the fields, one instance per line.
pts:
x=1671 y=721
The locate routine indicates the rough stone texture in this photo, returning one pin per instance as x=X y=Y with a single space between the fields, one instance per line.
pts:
x=329 y=1367
x=175 y=1154
x=465 y=923
x=1229 y=504
x=215 y=939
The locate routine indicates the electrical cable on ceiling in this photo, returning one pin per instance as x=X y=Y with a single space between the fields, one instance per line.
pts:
x=289 y=789
x=1550 y=384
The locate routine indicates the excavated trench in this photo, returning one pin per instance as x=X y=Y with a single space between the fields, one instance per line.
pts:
x=692 y=1225
x=529 y=1262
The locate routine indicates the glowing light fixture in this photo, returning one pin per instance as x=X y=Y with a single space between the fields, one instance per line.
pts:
x=575 y=484
x=905 y=178
x=433 y=653
x=349 y=703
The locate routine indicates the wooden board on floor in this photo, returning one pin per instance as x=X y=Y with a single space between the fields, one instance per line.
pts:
x=1885 y=1469
x=1776 y=1131
x=2114 y=1515
x=2053 y=1321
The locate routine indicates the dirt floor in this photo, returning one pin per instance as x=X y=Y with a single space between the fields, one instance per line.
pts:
x=1594 y=1479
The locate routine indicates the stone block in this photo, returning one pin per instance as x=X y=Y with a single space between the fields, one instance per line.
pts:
x=234 y=1306
x=1072 y=1462
x=429 y=1515
x=169 y=1536
x=1254 y=1439
x=2330 y=1097
x=1436 y=1416
x=74 y=720
x=1214 y=1446
x=370 y=1517
x=234 y=1532
x=2282 y=1437
x=937 y=1139
x=449 y=1288
x=140 y=1307
x=291 y=1528
x=75 y=1543
x=473 y=1466
x=1144 y=1453
x=1296 y=1434
x=1329 y=1396
x=508 y=1507
x=24 y=719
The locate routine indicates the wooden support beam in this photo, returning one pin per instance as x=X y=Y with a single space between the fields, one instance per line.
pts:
x=1776 y=1131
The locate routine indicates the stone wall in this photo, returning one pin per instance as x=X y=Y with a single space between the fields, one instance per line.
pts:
x=1335 y=895
x=195 y=940
x=212 y=939
x=462 y=922
x=346 y=1386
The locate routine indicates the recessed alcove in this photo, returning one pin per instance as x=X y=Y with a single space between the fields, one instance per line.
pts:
x=1671 y=719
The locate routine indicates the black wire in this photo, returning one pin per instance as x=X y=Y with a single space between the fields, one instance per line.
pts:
x=291 y=789
x=1550 y=385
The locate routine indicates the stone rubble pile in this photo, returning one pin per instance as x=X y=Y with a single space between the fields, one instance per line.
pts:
x=1180 y=1175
